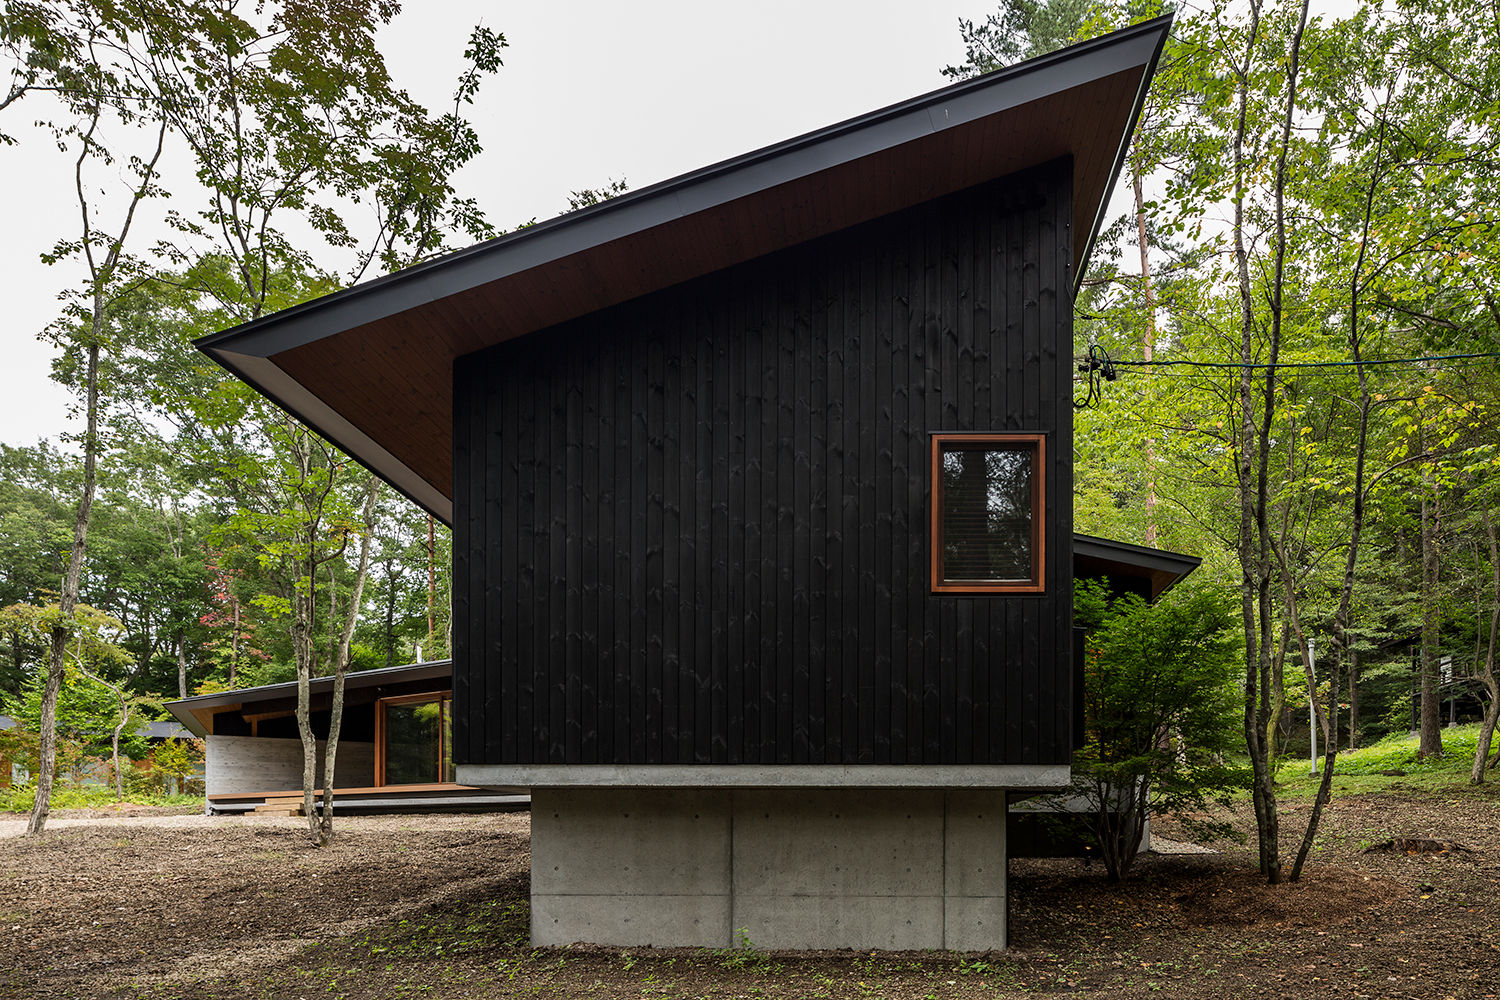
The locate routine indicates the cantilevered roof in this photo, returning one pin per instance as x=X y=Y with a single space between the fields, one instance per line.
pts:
x=371 y=367
x=1163 y=570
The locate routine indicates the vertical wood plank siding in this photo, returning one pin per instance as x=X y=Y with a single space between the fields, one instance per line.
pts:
x=692 y=528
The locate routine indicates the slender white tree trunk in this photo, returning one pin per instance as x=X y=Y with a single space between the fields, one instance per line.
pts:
x=341 y=664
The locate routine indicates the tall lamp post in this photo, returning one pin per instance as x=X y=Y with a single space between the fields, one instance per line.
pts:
x=1312 y=705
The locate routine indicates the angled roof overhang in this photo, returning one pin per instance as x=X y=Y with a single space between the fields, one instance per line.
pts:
x=371 y=367
x=1160 y=569
x=195 y=712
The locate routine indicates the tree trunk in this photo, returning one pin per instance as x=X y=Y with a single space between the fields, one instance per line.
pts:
x=182 y=690
x=1353 y=698
x=115 y=743
x=1148 y=342
x=304 y=607
x=341 y=665
x=431 y=573
x=1251 y=468
x=1431 y=739
x=304 y=614
x=101 y=274
x=68 y=600
x=234 y=642
x=1487 y=672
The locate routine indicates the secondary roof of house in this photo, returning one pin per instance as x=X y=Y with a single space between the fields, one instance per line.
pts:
x=1162 y=570
x=371 y=367
x=194 y=712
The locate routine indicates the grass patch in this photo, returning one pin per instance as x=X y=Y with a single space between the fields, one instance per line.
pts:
x=1372 y=768
x=87 y=797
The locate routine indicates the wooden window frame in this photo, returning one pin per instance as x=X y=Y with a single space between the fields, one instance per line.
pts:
x=1037 y=444
x=405 y=699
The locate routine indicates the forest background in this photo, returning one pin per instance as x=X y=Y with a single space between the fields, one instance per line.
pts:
x=1287 y=344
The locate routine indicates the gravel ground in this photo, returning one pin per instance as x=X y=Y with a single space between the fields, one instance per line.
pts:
x=184 y=907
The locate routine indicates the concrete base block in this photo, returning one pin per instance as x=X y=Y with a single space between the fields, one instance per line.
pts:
x=893 y=869
x=974 y=923
x=630 y=921
x=890 y=923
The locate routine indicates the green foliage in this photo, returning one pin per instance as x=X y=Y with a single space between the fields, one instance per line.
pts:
x=178 y=759
x=1020 y=29
x=1393 y=763
x=88 y=709
x=20 y=800
x=1160 y=713
x=595 y=196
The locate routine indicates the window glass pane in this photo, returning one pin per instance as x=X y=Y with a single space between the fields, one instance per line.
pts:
x=411 y=743
x=986 y=514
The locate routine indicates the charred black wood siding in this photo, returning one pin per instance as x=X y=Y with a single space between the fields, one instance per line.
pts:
x=693 y=528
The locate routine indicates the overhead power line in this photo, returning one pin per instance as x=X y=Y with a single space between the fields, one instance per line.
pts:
x=1241 y=365
x=1098 y=367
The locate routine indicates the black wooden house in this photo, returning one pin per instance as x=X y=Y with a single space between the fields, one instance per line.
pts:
x=760 y=483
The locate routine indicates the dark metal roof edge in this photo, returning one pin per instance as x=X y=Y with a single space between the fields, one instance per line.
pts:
x=1141 y=554
x=1179 y=564
x=1164 y=24
x=182 y=709
x=667 y=189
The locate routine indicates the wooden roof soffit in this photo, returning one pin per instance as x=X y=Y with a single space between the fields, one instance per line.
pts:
x=371 y=367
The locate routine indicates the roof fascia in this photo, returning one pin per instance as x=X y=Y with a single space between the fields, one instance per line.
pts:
x=1177 y=564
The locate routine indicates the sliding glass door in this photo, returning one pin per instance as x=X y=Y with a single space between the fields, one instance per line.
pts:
x=414 y=739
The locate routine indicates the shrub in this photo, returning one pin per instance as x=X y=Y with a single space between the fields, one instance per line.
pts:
x=1160 y=715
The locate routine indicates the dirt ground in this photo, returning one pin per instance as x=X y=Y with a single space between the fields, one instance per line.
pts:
x=179 y=906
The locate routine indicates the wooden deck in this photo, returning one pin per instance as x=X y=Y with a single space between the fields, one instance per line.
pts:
x=445 y=795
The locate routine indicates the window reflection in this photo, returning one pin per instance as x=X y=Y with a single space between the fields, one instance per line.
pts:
x=987 y=514
x=417 y=738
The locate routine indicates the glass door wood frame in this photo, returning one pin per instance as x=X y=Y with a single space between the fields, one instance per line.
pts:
x=406 y=699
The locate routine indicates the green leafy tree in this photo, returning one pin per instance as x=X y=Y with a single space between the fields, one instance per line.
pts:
x=1160 y=715
x=178 y=760
x=98 y=708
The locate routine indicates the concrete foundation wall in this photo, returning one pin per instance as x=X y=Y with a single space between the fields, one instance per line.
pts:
x=833 y=868
x=261 y=764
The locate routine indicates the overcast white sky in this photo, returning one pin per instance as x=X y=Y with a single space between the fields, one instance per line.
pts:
x=591 y=90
